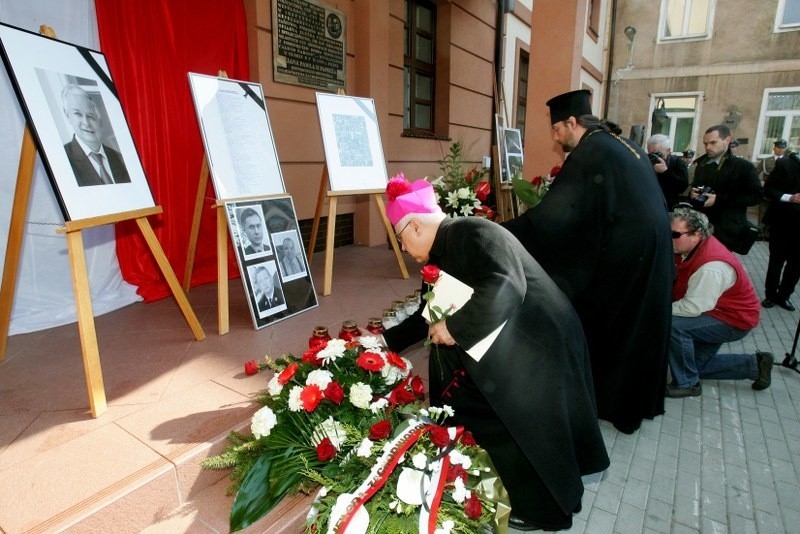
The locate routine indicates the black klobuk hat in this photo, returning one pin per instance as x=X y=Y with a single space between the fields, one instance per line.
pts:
x=572 y=104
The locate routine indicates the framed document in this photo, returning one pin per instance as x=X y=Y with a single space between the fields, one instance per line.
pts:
x=76 y=119
x=271 y=258
x=512 y=143
x=352 y=141
x=237 y=136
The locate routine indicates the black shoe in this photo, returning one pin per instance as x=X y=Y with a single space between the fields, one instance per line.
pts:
x=764 y=361
x=678 y=393
x=785 y=304
x=767 y=303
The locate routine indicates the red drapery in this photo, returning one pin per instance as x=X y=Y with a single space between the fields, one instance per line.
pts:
x=150 y=47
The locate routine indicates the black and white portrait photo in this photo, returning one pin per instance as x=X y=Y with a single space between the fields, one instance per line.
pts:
x=267 y=291
x=253 y=232
x=76 y=118
x=290 y=254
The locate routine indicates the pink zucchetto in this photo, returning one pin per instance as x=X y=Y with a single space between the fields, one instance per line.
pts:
x=404 y=197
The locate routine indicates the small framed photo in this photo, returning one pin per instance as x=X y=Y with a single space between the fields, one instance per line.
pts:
x=74 y=114
x=276 y=277
x=512 y=143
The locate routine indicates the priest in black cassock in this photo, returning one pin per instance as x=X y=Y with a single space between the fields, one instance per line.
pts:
x=529 y=399
x=602 y=234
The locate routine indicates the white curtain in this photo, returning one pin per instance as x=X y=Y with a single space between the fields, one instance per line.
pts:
x=44 y=297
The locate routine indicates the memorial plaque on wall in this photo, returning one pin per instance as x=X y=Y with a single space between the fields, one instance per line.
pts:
x=308 y=44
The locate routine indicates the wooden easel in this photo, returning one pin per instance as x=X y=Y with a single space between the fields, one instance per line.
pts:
x=504 y=193
x=77 y=258
x=333 y=198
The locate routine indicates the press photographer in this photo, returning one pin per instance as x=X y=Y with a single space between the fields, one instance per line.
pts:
x=671 y=171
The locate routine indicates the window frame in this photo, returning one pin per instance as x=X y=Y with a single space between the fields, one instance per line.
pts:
x=662 y=23
x=695 y=137
x=593 y=18
x=414 y=66
x=521 y=96
x=780 y=12
x=762 y=119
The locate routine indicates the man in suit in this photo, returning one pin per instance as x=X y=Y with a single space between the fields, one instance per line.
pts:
x=290 y=260
x=671 y=171
x=782 y=188
x=253 y=227
x=92 y=162
x=269 y=295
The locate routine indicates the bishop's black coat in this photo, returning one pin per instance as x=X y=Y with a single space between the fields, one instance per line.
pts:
x=535 y=377
x=602 y=234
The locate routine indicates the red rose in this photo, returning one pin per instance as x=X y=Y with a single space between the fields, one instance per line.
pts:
x=482 y=190
x=310 y=357
x=457 y=471
x=417 y=386
x=430 y=274
x=325 y=450
x=251 y=368
x=287 y=374
x=473 y=507
x=401 y=395
x=537 y=181
x=439 y=436
x=397 y=186
x=469 y=177
x=396 y=360
x=370 y=361
x=554 y=171
x=310 y=397
x=380 y=430
x=334 y=392
x=468 y=440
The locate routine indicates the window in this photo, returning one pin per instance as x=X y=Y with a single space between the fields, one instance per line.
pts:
x=419 y=77
x=593 y=22
x=685 y=19
x=780 y=119
x=681 y=121
x=522 y=92
x=788 y=15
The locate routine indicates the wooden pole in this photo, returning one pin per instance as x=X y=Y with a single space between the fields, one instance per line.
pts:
x=16 y=232
x=195 y=230
x=323 y=182
x=223 y=314
x=390 y=232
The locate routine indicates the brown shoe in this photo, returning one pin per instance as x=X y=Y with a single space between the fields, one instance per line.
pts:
x=764 y=361
x=678 y=393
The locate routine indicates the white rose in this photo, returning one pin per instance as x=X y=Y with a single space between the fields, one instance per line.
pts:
x=319 y=377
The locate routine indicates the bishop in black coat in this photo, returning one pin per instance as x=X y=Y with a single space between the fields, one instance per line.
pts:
x=529 y=400
x=602 y=234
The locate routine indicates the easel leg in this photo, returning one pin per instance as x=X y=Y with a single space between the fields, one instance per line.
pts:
x=83 y=303
x=390 y=232
x=16 y=231
x=317 y=214
x=222 y=272
x=195 y=231
x=327 y=287
x=169 y=275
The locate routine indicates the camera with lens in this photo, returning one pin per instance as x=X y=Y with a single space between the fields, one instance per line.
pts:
x=654 y=156
x=700 y=200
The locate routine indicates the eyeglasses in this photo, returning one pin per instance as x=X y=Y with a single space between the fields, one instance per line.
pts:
x=397 y=235
x=677 y=235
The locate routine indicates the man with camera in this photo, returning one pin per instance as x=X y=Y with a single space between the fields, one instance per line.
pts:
x=724 y=186
x=713 y=302
x=782 y=188
x=671 y=171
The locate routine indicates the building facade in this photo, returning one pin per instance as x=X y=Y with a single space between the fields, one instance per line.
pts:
x=730 y=62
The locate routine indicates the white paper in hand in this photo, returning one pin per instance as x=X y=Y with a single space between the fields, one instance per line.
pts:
x=450 y=293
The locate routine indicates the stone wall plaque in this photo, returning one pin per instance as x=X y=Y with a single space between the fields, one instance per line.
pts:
x=308 y=44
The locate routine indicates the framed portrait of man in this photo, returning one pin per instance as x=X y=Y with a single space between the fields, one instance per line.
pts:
x=73 y=112
x=512 y=143
x=277 y=280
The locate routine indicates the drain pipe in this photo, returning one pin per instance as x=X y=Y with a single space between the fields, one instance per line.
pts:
x=610 y=69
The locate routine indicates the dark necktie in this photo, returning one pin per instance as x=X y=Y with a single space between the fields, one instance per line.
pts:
x=104 y=176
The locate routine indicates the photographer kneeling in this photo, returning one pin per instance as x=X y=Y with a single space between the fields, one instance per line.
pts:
x=713 y=302
x=671 y=171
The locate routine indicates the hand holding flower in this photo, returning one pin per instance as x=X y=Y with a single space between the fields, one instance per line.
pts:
x=438 y=334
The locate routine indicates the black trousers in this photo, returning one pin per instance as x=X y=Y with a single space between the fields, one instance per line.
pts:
x=530 y=499
x=783 y=270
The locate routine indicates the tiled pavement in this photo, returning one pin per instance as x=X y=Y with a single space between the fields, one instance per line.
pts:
x=725 y=462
